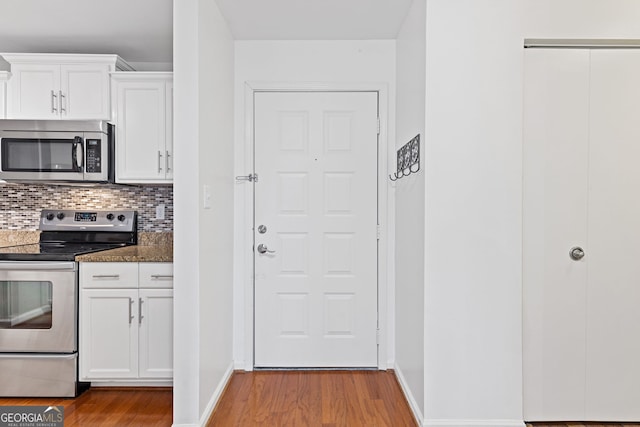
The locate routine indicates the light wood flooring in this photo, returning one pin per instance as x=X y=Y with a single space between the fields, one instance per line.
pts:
x=111 y=407
x=260 y=398
x=313 y=398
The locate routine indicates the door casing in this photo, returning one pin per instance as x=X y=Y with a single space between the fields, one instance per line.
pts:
x=245 y=349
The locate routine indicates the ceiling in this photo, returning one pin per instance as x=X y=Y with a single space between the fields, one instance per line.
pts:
x=141 y=31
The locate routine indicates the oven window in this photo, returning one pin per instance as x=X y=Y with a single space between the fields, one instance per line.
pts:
x=25 y=305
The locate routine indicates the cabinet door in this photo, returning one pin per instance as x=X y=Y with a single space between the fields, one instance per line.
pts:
x=169 y=130
x=109 y=333
x=141 y=132
x=156 y=333
x=4 y=78
x=34 y=92
x=84 y=92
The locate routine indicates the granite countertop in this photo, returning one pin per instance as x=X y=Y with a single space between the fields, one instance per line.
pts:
x=151 y=247
x=136 y=253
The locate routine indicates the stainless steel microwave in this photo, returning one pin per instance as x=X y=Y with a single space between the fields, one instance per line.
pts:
x=56 y=151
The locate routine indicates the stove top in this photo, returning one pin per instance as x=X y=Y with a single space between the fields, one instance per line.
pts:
x=64 y=234
x=47 y=252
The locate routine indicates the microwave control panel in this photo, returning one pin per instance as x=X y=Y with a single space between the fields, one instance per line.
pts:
x=94 y=163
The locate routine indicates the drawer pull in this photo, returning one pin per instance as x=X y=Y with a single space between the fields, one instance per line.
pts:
x=106 y=276
x=162 y=276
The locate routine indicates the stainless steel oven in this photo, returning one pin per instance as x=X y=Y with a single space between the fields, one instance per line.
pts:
x=38 y=334
x=56 y=151
x=39 y=300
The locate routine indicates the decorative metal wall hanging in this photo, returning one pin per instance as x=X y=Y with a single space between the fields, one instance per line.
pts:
x=408 y=159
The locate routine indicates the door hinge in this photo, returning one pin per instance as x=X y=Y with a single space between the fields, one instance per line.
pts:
x=377 y=336
x=252 y=177
x=378 y=130
x=378 y=231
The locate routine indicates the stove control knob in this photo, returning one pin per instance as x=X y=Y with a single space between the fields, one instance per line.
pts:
x=60 y=215
x=50 y=216
x=110 y=216
x=121 y=218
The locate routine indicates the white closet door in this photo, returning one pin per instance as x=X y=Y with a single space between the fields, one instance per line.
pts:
x=556 y=114
x=613 y=303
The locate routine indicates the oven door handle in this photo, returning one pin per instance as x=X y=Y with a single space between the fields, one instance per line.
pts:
x=37 y=265
x=38 y=356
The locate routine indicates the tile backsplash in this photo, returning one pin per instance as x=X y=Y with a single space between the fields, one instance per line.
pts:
x=20 y=204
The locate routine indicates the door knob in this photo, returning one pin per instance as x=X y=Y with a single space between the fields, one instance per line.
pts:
x=576 y=253
x=262 y=248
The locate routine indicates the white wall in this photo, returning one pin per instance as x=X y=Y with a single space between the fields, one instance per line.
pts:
x=473 y=335
x=203 y=147
x=355 y=62
x=409 y=216
x=473 y=355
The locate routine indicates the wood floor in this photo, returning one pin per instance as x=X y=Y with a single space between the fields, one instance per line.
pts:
x=106 y=407
x=261 y=398
x=312 y=398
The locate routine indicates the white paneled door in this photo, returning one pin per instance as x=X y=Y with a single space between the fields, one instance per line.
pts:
x=581 y=181
x=315 y=229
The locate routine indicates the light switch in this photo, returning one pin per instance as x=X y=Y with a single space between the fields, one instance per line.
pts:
x=206 y=197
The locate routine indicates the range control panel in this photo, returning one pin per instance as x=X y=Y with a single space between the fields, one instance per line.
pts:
x=94 y=220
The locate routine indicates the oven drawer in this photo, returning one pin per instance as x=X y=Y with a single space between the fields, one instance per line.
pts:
x=42 y=375
x=109 y=274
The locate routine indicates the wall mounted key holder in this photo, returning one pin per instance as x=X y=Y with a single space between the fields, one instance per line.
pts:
x=408 y=159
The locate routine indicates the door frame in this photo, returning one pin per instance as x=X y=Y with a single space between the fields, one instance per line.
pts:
x=245 y=207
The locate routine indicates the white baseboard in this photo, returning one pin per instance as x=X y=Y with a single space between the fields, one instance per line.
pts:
x=216 y=396
x=417 y=413
x=473 y=423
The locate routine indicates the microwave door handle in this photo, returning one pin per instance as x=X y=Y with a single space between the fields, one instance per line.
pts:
x=77 y=157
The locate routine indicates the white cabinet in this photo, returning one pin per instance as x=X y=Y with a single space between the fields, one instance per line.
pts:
x=143 y=116
x=126 y=321
x=581 y=175
x=4 y=78
x=60 y=87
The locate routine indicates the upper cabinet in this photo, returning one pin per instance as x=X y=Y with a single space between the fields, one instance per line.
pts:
x=143 y=116
x=4 y=78
x=61 y=86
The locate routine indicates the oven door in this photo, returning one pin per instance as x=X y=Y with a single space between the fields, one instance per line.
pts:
x=38 y=307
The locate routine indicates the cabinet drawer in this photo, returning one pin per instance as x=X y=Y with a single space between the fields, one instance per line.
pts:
x=109 y=274
x=156 y=274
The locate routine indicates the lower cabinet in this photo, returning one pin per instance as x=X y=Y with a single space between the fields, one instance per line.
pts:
x=126 y=322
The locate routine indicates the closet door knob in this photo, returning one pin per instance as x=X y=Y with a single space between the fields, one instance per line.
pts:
x=576 y=253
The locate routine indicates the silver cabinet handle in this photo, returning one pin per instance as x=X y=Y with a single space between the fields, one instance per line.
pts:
x=140 y=316
x=166 y=161
x=576 y=253
x=162 y=276
x=62 y=102
x=53 y=102
x=263 y=249
x=106 y=276
x=130 y=310
x=159 y=161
